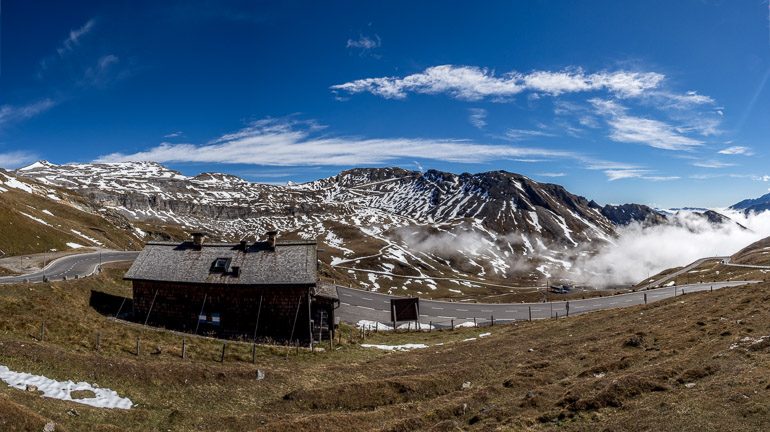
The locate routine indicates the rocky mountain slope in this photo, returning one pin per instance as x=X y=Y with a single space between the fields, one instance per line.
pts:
x=380 y=227
x=755 y=205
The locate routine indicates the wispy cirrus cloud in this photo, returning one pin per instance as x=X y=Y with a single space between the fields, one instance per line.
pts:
x=474 y=83
x=288 y=142
x=478 y=117
x=619 y=174
x=712 y=164
x=524 y=134
x=737 y=150
x=631 y=129
x=10 y=114
x=73 y=40
x=294 y=143
x=14 y=159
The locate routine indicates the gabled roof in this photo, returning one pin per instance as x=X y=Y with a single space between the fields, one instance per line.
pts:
x=291 y=262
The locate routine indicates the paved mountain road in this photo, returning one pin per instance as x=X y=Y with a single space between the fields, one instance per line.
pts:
x=359 y=305
x=80 y=265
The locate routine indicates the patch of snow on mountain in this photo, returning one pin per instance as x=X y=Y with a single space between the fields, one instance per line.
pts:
x=91 y=239
x=35 y=219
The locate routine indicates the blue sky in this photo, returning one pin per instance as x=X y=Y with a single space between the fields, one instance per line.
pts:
x=662 y=103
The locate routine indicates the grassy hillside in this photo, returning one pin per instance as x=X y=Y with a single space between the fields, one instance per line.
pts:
x=37 y=218
x=696 y=362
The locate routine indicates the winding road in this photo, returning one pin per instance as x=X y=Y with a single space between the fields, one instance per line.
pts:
x=357 y=305
x=72 y=266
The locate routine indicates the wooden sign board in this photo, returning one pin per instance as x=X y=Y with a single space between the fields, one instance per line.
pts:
x=405 y=309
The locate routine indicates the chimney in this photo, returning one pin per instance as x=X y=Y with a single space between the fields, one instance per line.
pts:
x=198 y=239
x=243 y=245
x=271 y=235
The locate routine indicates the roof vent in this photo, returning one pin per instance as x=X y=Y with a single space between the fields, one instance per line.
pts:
x=236 y=271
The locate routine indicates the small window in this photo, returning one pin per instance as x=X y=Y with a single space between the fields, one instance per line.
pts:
x=220 y=265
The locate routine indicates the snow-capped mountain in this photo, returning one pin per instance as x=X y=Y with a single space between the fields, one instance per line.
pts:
x=378 y=226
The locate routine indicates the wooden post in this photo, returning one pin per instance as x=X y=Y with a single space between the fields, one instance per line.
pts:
x=645 y=298
x=253 y=352
x=184 y=348
x=121 y=307
x=259 y=310
x=409 y=326
x=351 y=336
x=474 y=322
x=394 y=318
x=224 y=345
x=137 y=347
x=557 y=315
x=712 y=288
x=98 y=341
x=198 y=319
x=567 y=306
x=42 y=332
x=296 y=315
x=151 y=305
x=530 y=313
x=430 y=326
x=453 y=324
x=297 y=341
x=417 y=317
x=493 y=320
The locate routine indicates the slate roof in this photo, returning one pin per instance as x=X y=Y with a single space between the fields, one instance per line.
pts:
x=291 y=262
x=326 y=290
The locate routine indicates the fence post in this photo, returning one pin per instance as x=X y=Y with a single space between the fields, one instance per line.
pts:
x=224 y=345
x=137 y=346
x=493 y=320
x=474 y=322
x=394 y=318
x=453 y=324
x=530 y=313
x=184 y=348
x=253 y=352
x=98 y=341
x=712 y=288
x=42 y=332
x=645 y=298
x=430 y=326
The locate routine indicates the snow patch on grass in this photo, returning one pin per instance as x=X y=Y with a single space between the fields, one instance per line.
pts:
x=104 y=398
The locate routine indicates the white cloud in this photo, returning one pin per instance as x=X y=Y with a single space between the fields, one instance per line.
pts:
x=12 y=114
x=364 y=42
x=281 y=143
x=477 y=117
x=173 y=134
x=640 y=251
x=712 y=164
x=73 y=40
x=764 y=178
x=474 y=83
x=630 y=129
x=618 y=174
x=16 y=159
x=737 y=150
x=287 y=142
x=651 y=132
x=522 y=134
x=552 y=174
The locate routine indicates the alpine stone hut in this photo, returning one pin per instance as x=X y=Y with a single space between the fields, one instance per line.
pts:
x=266 y=289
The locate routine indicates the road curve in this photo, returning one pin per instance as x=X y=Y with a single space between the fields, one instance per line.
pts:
x=356 y=305
x=685 y=269
x=80 y=265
